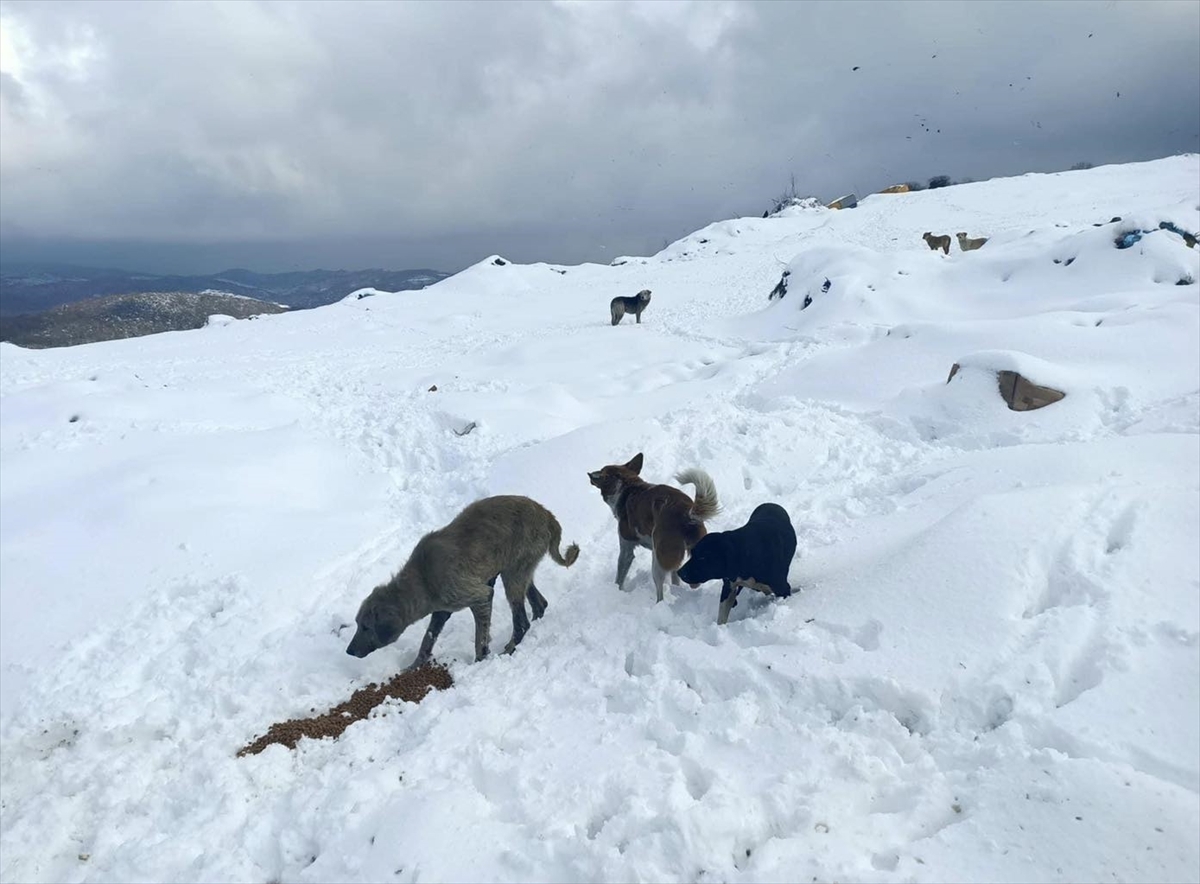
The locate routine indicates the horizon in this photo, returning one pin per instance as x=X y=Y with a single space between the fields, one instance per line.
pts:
x=100 y=263
x=578 y=131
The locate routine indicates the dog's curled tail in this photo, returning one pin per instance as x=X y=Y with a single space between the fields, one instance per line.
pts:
x=706 y=504
x=555 y=539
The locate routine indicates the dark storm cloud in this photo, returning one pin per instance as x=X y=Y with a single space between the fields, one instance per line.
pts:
x=404 y=134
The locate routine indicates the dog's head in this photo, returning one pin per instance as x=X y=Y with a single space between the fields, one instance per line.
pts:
x=379 y=624
x=927 y=234
x=707 y=562
x=962 y=235
x=612 y=478
x=644 y=296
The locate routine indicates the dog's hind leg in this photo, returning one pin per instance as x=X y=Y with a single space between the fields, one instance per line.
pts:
x=659 y=575
x=666 y=558
x=537 y=602
x=436 y=621
x=624 y=560
x=675 y=579
x=520 y=626
x=517 y=583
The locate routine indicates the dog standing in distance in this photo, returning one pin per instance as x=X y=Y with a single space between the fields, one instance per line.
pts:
x=658 y=517
x=969 y=245
x=619 y=306
x=937 y=242
x=756 y=555
x=456 y=567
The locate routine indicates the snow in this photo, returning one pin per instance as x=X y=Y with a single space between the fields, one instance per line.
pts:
x=991 y=671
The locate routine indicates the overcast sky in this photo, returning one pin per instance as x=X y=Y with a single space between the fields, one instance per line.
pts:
x=195 y=136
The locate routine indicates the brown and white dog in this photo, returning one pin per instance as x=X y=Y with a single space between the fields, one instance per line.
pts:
x=658 y=517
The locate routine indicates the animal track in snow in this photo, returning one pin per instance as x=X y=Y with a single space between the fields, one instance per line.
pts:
x=1069 y=580
x=999 y=712
x=1121 y=530
x=1085 y=669
x=699 y=780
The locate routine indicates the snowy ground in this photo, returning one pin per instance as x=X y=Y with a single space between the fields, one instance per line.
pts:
x=992 y=672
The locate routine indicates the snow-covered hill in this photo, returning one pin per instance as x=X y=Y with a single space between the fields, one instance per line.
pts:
x=991 y=672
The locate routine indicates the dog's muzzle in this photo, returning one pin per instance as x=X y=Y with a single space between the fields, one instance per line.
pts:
x=358 y=647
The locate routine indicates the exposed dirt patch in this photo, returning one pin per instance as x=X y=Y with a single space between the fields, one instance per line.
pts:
x=412 y=686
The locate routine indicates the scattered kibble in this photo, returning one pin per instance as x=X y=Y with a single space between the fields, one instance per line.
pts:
x=412 y=685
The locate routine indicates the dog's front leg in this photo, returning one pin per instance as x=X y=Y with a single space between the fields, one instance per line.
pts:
x=483 y=629
x=781 y=587
x=729 y=593
x=624 y=560
x=483 y=622
x=436 y=621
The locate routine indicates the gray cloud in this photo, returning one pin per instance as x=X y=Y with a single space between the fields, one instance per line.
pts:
x=401 y=134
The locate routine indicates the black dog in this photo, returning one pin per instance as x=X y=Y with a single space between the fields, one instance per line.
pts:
x=756 y=555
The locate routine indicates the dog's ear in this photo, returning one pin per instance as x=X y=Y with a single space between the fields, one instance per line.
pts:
x=635 y=465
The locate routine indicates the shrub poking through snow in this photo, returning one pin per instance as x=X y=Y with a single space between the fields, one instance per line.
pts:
x=412 y=685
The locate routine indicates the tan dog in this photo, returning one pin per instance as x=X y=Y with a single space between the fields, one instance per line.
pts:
x=658 y=517
x=937 y=242
x=969 y=245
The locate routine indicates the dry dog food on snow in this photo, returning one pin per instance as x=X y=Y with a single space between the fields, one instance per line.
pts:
x=412 y=686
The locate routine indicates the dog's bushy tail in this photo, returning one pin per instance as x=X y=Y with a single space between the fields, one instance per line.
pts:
x=555 y=539
x=706 y=504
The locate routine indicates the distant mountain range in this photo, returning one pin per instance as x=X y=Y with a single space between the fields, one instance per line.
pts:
x=32 y=288
x=111 y=317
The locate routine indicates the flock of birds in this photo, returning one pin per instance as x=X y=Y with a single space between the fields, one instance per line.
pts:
x=1036 y=124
